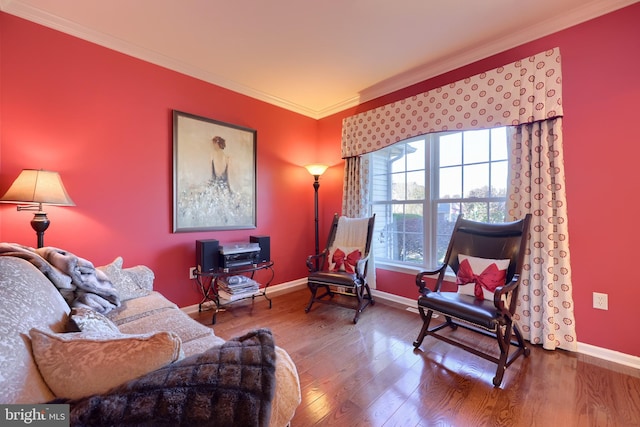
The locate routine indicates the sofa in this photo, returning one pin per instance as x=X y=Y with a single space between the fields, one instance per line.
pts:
x=136 y=359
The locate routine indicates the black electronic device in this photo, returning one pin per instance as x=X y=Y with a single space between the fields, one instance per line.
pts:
x=207 y=257
x=238 y=254
x=265 y=249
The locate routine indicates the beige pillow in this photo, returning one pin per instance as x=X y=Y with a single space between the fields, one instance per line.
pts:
x=88 y=320
x=80 y=364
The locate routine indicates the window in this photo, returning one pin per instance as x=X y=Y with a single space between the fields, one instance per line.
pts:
x=419 y=187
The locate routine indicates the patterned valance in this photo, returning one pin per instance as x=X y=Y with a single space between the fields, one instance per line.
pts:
x=524 y=91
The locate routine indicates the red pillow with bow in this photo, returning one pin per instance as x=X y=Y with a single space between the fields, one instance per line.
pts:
x=481 y=276
x=344 y=259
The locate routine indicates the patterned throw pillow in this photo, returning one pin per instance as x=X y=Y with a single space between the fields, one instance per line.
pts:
x=132 y=282
x=480 y=276
x=88 y=320
x=79 y=364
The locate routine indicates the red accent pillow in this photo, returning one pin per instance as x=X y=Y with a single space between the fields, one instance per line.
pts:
x=340 y=260
x=480 y=276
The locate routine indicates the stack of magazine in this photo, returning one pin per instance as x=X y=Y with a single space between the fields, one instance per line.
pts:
x=233 y=288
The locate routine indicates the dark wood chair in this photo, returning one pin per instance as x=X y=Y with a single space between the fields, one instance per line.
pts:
x=341 y=268
x=473 y=306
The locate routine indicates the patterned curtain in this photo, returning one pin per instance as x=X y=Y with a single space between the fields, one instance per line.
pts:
x=537 y=185
x=526 y=94
x=355 y=190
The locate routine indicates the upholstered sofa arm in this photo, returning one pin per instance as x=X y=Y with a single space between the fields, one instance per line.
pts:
x=131 y=282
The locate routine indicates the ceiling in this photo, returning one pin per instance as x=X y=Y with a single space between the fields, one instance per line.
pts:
x=312 y=57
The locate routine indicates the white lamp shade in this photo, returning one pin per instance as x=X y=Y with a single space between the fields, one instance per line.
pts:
x=38 y=186
x=316 y=169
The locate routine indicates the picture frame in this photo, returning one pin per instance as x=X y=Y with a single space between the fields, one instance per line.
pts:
x=214 y=174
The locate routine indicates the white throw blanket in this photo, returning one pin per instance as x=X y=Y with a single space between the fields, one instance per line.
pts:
x=77 y=280
x=352 y=233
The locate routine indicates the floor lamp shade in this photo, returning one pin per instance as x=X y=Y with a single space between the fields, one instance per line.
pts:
x=34 y=188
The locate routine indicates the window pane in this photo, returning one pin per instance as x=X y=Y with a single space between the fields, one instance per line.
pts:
x=402 y=237
x=398 y=186
x=476 y=146
x=476 y=180
x=450 y=149
x=446 y=219
x=398 y=160
x=499 y=150
x=415 y=185
x=450 y=183
x=476 y=211
x=416 y=156
x=499 y=172
x=497 y=212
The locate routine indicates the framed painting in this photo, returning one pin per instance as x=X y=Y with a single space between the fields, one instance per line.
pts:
x=214 y=175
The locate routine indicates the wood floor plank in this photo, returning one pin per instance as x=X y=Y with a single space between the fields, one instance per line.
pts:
x=369 y=374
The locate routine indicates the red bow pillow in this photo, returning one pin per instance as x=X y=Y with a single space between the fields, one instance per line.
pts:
x=344 y=259
x=480 y=277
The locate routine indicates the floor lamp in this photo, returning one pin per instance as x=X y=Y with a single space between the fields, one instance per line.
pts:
x=34 y=188
x=316 y=170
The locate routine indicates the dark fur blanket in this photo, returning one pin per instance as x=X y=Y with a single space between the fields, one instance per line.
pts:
x=78 y=281
x=228 y=385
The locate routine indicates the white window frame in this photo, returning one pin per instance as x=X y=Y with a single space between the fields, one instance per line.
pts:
x=429 y=203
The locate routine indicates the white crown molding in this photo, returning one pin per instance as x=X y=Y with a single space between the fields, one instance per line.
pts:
x=584 y=13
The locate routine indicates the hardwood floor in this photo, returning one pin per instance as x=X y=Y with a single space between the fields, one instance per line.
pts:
x=369 y=374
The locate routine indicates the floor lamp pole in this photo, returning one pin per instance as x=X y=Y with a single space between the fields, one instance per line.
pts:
x=316 y=170
x=316 y=185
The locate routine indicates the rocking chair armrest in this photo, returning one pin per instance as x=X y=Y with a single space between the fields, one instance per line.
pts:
x=320 y=259
x=501 y=292
x=420 y=278
x=361 y=266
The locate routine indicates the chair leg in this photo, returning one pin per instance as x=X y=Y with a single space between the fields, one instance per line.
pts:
x=363 y=294
x=426 y=320
x=503 y=337
x=359 y=293
x=313 y=290
x=369 y=296
x=521 y=343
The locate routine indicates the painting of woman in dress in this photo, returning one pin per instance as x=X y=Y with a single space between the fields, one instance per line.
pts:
x=214 y=175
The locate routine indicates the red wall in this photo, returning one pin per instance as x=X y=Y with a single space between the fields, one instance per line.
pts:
x=601 y=91
x=104 y=121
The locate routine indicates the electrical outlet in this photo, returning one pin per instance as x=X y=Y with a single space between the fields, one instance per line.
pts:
x=192 y=272
x=600 y=301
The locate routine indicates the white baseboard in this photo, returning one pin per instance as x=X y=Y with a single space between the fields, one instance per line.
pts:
x=609 y=355
x=411 y=304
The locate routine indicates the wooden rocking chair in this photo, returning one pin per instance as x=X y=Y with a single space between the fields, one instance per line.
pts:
x=341 y=268
x=482 y=256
